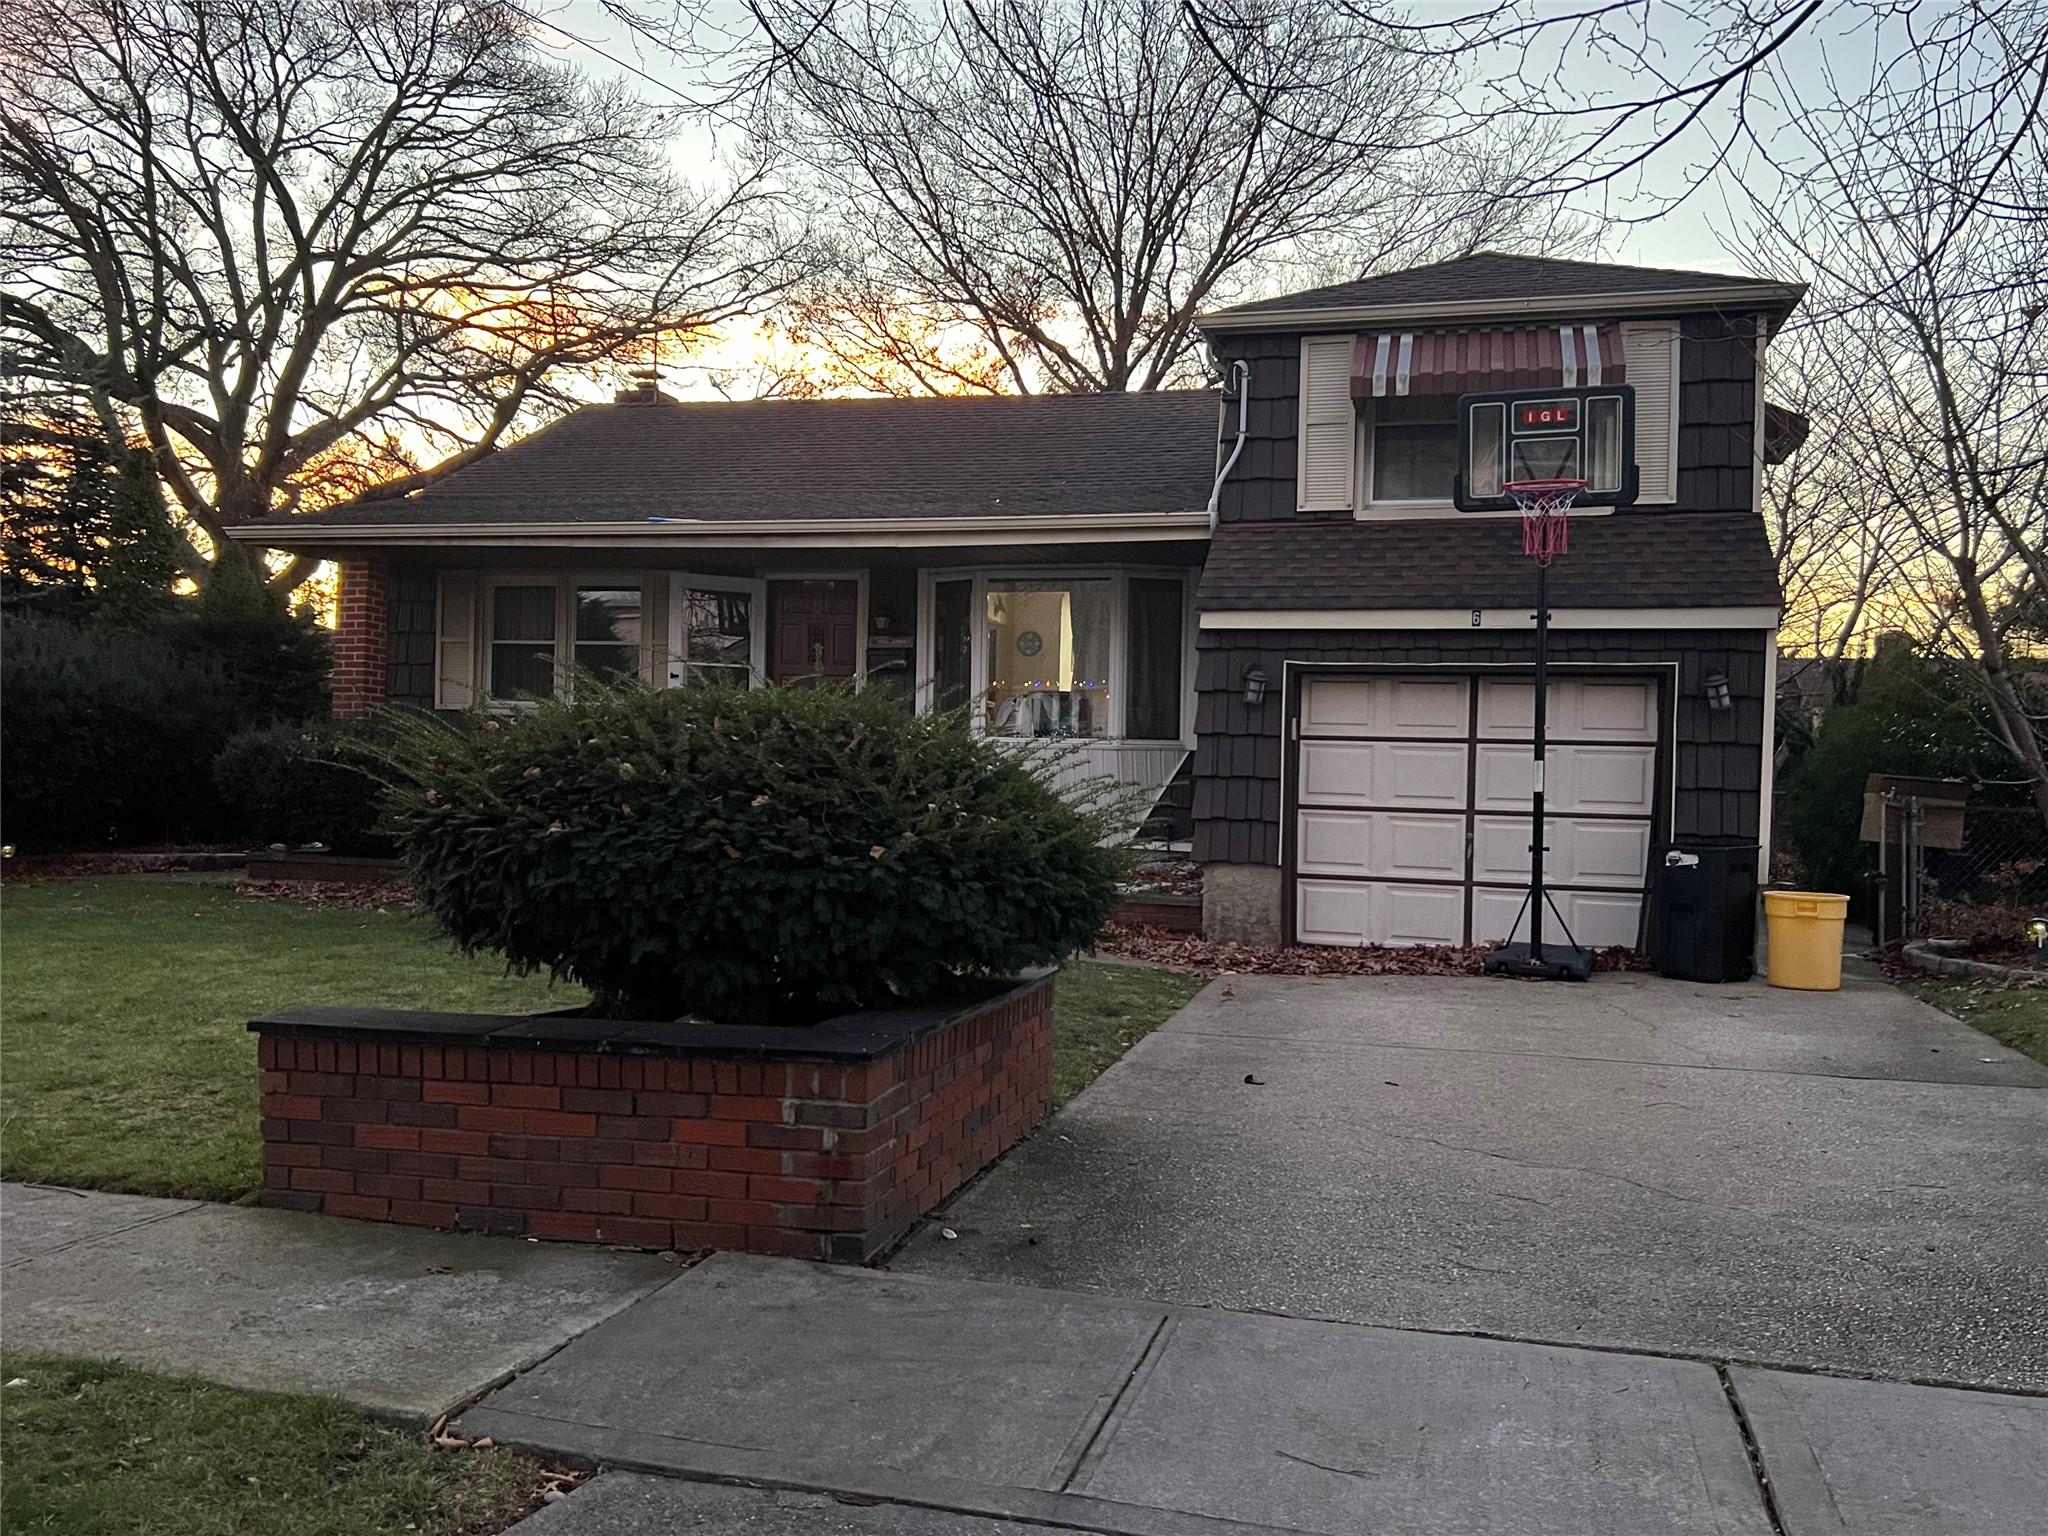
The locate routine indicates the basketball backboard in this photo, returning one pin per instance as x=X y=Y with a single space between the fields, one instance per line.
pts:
x=1504 y=436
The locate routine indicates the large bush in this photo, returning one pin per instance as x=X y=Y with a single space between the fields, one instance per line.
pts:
x=776 y=856
x=112 y=714
x=106 y=736
x=300 y=784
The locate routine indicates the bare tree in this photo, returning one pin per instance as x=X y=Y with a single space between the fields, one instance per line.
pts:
x=304 y=248
x=1043 y=194
x=1617 y=87
x=1915 y=205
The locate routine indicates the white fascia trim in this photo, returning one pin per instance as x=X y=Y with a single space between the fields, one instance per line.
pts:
x=1530 y=310
x=756 y=533
x=1517 y=617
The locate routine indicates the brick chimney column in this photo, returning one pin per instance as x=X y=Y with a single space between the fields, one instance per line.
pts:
x=362 y=637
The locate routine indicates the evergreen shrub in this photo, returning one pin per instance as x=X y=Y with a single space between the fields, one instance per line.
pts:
x=775 y=856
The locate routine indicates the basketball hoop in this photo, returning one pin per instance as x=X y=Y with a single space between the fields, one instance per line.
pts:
x=1546 y=515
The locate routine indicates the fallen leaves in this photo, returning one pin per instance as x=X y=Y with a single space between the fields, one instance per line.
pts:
x=1205 y=957
x=357 y=895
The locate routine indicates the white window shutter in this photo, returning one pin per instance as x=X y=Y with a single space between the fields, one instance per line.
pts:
x=1651 y=354
x=1329 y=426
x=455 y=641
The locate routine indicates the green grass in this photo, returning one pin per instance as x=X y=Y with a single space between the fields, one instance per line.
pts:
x=124 y=1063
x=97 y=1448
x=1100 y=1011
x=2014 y=1016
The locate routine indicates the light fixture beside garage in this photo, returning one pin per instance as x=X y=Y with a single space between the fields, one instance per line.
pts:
x=1254 y=685
x=1715 y=684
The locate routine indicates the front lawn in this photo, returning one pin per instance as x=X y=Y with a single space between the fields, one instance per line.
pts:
x=97 y=1447
x=2014 y=1016
x=1101 y=1011
x=124 y=1063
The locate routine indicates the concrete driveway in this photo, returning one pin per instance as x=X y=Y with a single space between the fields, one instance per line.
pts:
x=1850 y=1181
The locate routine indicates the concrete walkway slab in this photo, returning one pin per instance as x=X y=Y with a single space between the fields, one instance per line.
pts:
x=396 y=1320
x=634 y=1504
x=1110 y=1416
x=1335 y=1429
x=844 y=1371
x=1864 y=1458
x=41 y=1219
x=1632 y=1163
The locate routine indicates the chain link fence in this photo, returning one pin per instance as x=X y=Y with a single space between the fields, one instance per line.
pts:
x=1985 y=890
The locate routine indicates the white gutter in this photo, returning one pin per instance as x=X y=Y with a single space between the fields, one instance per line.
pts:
x=755 y=533
x=1534 y=307
x=1243 y=370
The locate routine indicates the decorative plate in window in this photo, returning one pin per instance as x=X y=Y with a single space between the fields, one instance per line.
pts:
x=1030 y=643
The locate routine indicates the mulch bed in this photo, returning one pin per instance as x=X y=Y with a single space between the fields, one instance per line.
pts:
x=123 y=861
x=1165 y=876
x=358 y=895
x=1205 y=957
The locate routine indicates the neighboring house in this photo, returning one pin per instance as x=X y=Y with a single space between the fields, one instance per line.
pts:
x=1344 y=659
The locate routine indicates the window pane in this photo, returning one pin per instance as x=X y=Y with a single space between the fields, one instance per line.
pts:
x=1413 y=461
x=1048 y=658
x=1152 y=680
x=952 y=643
x=522 y=671
x=523 y=613
x=718 y=636
x=608 y=613
x=1489 y=432
x=1603 y=443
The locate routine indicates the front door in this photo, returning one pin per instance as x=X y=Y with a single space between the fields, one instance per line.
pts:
x=815 y=629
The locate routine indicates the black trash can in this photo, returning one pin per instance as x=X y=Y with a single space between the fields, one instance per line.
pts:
x=1703 y=911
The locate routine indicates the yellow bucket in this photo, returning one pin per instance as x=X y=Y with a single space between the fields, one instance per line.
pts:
x=1806 y=939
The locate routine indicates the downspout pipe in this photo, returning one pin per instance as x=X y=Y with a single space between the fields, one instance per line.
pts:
x=1241 y=372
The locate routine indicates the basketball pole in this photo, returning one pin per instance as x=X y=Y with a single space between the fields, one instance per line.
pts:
x=1536 y=894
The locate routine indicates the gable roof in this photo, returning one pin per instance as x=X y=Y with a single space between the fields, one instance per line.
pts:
x=981 y=456
x=1496 y=278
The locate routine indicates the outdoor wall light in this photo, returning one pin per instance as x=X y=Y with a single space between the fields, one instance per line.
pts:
x=1718 y=696
x=1254 y=684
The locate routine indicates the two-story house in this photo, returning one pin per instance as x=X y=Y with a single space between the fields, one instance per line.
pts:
x=1269 y=591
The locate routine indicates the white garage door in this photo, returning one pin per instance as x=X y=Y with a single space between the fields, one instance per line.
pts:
x=1411 y=807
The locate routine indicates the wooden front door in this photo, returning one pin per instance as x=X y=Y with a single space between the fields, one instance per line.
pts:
x=816 y=629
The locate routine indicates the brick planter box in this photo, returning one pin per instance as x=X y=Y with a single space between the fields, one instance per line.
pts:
x=819 y=1143
x=1160 y=909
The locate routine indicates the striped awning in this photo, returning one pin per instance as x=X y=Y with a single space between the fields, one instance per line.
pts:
x=1457 y=362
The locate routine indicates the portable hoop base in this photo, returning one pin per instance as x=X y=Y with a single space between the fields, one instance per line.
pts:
x=1546 y=530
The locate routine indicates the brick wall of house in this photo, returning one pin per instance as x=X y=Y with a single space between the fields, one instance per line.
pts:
x=810 y=1159
x=362 y=636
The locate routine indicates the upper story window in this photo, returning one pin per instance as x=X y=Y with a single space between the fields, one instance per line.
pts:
x=1412 y=447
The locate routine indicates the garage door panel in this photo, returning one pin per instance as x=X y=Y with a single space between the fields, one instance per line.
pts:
x=1425 y=847
x=1351 y=913
x=1396 y=775
x=1597 y=919
x=1421 y=775
x=1619 y=781
x=1581 y=850
x=1332 y=842
x=1385 y=706
x=1387 y=844
x=1581 y=709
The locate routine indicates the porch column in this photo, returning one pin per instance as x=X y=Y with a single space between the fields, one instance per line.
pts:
x=362 y=636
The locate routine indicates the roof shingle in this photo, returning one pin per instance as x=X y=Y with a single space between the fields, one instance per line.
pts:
x=954 y=457
x=1637 y=559
x=1493 y=275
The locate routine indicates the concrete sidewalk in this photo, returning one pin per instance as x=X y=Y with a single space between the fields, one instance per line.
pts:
x=995 y=1403
x=398 y=1321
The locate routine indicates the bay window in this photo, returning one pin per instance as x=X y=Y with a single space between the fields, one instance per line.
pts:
x=1090 y=656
